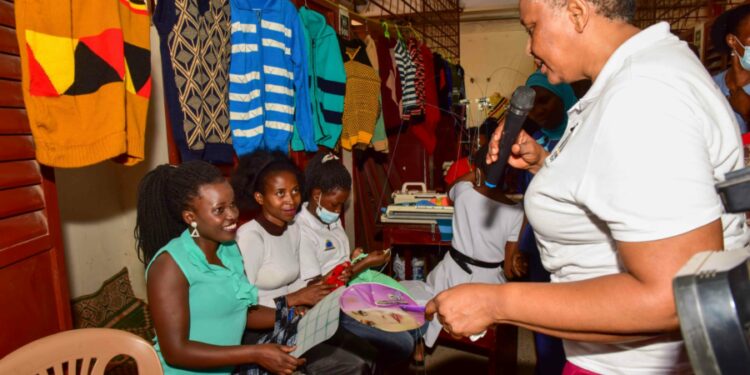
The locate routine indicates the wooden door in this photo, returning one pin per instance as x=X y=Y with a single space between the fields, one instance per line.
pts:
x=34 y=298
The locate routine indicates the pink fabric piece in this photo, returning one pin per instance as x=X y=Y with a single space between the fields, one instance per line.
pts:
x=571 y=369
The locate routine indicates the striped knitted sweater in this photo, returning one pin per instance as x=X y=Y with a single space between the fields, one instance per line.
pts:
x=406 y=73
x=268 y=90
x=419 y=77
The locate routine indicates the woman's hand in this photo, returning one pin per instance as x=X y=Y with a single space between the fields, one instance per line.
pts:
x=309 y=295
x=356 y=252
x=466 y=309
x=276 y=359
x=378 y=258
x=525 y=154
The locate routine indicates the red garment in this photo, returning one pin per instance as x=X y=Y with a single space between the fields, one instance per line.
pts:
x=746 y=138
x=390 y=87
x=425 y=129
x=459 y=168
x=416 y=55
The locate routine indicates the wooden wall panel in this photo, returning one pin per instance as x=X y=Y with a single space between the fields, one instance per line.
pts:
x=22 y=228
x=16 y=147
x=6 y=14
x=11 y=96
x=14 y=121
x=34 y=298
x=21 y=200
x=10 y=67
x=19 y=173
x=28 y=291
x=8 y=43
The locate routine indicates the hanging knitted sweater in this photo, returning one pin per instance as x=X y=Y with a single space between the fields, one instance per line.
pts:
x=406 y=74
x=86 y=79
x=419 y=77
x=268 y=79
x=361 y=106
x=389 y=84
x=195 y=50
x=327 y=79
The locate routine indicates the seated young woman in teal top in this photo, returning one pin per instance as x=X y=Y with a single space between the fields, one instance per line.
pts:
x=199 y=297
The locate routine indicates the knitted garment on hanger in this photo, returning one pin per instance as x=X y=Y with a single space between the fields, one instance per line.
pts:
x=361 y=107
x=419 y=76
x=354 y=49
x=195 y=57
x=86 y=79
x=425 y=126
x=432 y=109
x=327 y=79
x=372 y=52
x=379 y=137
x=406 y=73
x=389 y=83
x=268 y=79
x=443 y=81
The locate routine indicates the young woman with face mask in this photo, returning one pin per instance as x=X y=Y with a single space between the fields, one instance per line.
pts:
x=730 y=34
x=324 y=245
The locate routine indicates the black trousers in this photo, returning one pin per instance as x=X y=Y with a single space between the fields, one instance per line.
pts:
x=342 y=354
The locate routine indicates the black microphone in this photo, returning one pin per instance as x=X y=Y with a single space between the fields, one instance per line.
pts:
x=520 y=104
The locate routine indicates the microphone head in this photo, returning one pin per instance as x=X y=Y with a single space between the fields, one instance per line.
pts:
x=523 y=99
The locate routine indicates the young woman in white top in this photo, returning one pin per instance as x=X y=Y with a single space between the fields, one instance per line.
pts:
x=486 y=225
x=270 y=250
x=324 y=245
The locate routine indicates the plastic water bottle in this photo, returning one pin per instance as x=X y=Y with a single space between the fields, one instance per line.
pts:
x=417 y=269
x=399 y=268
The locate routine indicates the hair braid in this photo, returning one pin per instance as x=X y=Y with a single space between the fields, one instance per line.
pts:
x=163 y=194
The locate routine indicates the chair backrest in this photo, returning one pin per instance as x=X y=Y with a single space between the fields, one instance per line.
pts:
x=81 y=351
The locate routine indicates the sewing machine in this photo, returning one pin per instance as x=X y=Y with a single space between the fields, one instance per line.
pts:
x=419 y=206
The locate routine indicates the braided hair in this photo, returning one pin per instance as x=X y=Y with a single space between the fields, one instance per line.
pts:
x=163 y=194
x=252 y=171
x=325 y=172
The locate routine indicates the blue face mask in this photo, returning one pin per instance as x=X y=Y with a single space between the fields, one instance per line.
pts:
x=324 y=215
x=745 y=58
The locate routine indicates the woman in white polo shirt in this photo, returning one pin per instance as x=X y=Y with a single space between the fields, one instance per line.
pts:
x=624 y=200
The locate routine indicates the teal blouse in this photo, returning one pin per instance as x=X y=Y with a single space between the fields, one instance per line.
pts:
x=218 y=296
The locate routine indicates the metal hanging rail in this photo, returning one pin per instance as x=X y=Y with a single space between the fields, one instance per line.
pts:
x=438 y=21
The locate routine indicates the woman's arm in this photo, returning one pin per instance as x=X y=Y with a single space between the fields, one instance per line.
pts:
x=169 y=306
x=260 y=317
x=610 y=308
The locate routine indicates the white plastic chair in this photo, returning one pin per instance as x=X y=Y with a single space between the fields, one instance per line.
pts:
x=89 y=348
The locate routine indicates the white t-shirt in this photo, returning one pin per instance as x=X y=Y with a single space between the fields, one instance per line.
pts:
x=322 y=247
x=271 y=262
x=481 y=228
x=638 y=162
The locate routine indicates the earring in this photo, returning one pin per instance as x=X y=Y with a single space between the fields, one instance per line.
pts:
x=194 y=233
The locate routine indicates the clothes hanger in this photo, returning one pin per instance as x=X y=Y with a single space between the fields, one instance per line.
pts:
x=384 y=25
